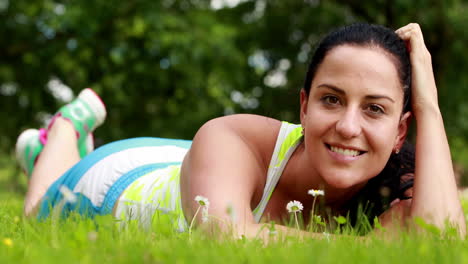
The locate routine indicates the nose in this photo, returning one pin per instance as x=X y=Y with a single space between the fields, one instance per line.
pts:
x=349 y=124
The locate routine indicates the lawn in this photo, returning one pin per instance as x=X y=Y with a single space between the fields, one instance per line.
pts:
x=77 y=240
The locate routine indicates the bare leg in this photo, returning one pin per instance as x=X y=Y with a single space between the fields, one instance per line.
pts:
x=59 y=154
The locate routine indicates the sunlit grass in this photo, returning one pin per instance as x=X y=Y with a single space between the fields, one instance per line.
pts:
x=103 y=240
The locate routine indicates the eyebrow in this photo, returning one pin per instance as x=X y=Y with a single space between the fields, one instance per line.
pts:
x=342 y=92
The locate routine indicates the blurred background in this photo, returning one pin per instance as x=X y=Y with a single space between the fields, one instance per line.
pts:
x=164 y=67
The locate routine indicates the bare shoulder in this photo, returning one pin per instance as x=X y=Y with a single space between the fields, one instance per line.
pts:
x=257 y=132
x=226 y=163
x=245 y=123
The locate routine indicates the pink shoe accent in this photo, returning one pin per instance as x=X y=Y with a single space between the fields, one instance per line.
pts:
x=43 y=136
x=60 y=115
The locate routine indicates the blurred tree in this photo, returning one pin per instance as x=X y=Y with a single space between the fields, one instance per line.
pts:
x=165 y=67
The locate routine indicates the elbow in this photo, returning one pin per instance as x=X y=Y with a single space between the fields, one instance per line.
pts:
x=441 y=224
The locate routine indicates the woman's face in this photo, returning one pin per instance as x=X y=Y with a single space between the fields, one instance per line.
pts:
x=352 y=116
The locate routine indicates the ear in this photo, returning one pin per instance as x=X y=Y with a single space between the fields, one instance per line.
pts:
x=402 y=130
x=304 y=100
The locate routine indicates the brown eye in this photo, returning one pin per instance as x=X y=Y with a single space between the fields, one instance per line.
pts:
x=375 y=109
x=330 y=100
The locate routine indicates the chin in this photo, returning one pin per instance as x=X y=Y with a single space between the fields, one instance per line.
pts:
x=343 y=180
x=339 y=184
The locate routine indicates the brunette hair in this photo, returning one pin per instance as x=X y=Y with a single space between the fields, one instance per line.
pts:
x=396 y=177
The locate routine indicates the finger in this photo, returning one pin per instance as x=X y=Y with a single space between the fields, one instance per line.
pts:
x=413 y=37
x=404 y=29
x=412 y=30
x=404 y=34
x=406 y=38
x=409 y=30
x=409 y=27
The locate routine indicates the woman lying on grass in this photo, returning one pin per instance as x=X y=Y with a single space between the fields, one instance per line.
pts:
x=355 y=112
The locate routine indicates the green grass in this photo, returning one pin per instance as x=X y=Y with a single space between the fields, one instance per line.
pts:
x=77 y=240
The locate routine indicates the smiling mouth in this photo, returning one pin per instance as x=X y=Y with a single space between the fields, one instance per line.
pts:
x=344 y=151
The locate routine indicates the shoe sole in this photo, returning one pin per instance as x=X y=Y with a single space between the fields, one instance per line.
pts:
x=21 y=145
x=96 y=104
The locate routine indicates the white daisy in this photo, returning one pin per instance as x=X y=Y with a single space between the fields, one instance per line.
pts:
x=202 y=201
x=68 y=195
x=203 y=204
x=294 y=207
x=315 y=193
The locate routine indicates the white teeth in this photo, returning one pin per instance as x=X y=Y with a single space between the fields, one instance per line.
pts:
x=346 y=152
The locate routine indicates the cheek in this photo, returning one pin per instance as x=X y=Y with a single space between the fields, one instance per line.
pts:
x=317 y=121
x=316 y=131
x=381 y=137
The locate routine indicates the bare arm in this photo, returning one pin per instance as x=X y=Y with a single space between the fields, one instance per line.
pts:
x=435 y=196
x=225 y=166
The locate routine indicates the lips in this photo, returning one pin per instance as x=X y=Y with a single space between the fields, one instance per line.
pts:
x=345 y=151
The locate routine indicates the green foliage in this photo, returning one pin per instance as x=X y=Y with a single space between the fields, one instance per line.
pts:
x=166 y=67
x=340 y=219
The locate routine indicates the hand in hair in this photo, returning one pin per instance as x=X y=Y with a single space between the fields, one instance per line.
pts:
x=424 y=91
